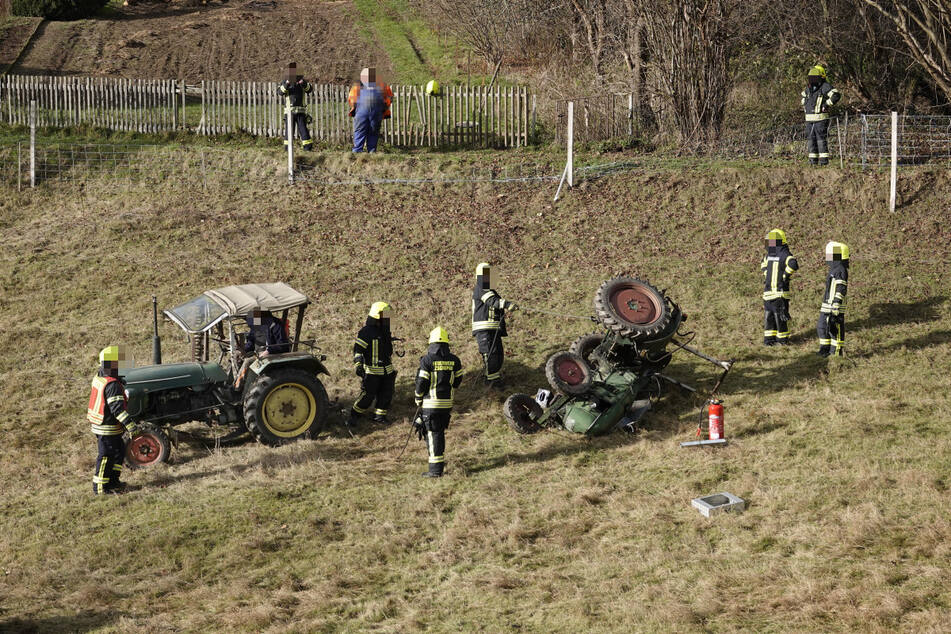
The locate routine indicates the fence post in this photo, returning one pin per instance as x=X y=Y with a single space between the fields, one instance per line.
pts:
x=571 y=144
x=894 y=177
x=289 y=137
x=569 y=166
x=32 y=143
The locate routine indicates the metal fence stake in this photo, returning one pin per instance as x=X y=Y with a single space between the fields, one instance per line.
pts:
x=289 y=136
x=894 y=175
x=32 y=144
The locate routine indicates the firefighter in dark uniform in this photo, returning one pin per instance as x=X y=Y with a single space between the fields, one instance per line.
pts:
x=440 y=373
x=831 y=326
x=293 y=89
x=488 y=324
x=778 y=266
x=372 y=361
x=109 y=419
x=816 y=100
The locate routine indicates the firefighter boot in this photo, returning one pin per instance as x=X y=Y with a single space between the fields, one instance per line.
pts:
x=381 y=419
x=435 y=470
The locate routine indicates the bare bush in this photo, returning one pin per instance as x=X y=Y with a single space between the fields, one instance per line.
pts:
x=925 y=28
x=689 y=45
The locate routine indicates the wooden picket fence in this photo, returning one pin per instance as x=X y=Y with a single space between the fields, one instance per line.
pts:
x=459 y=117
x=138 y=105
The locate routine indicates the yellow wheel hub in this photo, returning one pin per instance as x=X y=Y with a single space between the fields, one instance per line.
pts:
x=289 y=410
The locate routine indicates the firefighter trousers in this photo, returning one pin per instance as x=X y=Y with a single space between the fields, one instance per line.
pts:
x=377 y=388
x=831 y=330
x=776 y=329
x=108 y=463
x=299 y=120
x=490 y=347
x=817 y=133
x=436 y=421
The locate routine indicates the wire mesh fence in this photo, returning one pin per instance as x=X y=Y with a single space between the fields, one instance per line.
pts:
x=864 y=140
x=137 y=165
x=921 y=139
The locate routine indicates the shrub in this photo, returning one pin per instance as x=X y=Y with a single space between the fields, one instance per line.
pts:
x=58 y=9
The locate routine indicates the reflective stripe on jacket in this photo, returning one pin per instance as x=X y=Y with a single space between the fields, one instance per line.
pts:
x=440 y=373
x=817 y=100
x=488 y=312
x=294 y=95
x=107 y=406
x=777 y=269
x=373 y=349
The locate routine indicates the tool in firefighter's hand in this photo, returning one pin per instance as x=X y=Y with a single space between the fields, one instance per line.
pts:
x=415 y=424
x=402 y=350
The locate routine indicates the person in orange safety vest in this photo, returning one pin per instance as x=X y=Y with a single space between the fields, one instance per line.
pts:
x=369 y=103
x=109 y=420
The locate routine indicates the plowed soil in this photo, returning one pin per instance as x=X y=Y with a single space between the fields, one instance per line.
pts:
x=243 y=40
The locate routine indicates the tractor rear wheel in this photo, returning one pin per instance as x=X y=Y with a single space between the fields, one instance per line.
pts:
x=285 y=405
x=585 y=345
x=632 y=308
x=521 y=411
x=568 y=373
x=148 y=448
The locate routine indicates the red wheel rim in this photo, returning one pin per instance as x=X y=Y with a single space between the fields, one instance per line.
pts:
x=569 y=371
x=144 y=450
x=634 y=305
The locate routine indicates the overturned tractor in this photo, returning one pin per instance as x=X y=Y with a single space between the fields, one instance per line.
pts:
x=609 y=380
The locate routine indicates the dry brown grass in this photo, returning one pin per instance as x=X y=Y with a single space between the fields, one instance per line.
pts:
x=844 y=463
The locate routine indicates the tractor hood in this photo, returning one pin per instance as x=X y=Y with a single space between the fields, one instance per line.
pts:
x=169 y=376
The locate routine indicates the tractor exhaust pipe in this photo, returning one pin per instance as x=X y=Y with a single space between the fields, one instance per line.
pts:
x=156 y=340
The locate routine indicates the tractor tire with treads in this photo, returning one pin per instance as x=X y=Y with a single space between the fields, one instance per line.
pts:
x=568 y=373
x=285 y=405
x=521 y=411
x=149 y=448
x=585 y=345
x=632 y=308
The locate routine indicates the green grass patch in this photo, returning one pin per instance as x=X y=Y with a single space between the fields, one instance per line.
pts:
x=843 y=461
x=415 y=51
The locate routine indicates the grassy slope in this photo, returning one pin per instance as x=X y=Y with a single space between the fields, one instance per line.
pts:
x=415 y=51
x=844 y=463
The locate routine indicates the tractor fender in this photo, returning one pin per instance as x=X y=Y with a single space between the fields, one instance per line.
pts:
x=302 y=360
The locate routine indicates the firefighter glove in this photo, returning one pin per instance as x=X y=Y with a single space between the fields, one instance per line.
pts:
x=419 y=402
x=360 y=371
x=133 y=430
x=419 y=428
x=511 y=306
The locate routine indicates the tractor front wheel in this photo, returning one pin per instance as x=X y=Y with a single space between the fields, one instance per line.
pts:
x=521 y=411
x=285 y=405
x=568 y=373
x=148 y=448
x=586 y=344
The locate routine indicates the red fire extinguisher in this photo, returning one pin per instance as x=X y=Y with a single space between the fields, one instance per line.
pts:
x=714 y=420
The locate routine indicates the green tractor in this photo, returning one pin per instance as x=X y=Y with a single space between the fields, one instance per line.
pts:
x=277 y=397
x=609 y=380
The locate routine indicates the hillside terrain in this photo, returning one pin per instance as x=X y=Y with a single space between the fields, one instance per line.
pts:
x=244 y=40
x=843 y=461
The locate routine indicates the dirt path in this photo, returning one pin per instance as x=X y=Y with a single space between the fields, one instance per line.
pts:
x=244 y=40
x=13 y=35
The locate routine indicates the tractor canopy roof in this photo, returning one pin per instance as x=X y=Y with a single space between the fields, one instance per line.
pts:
x=209 y=308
